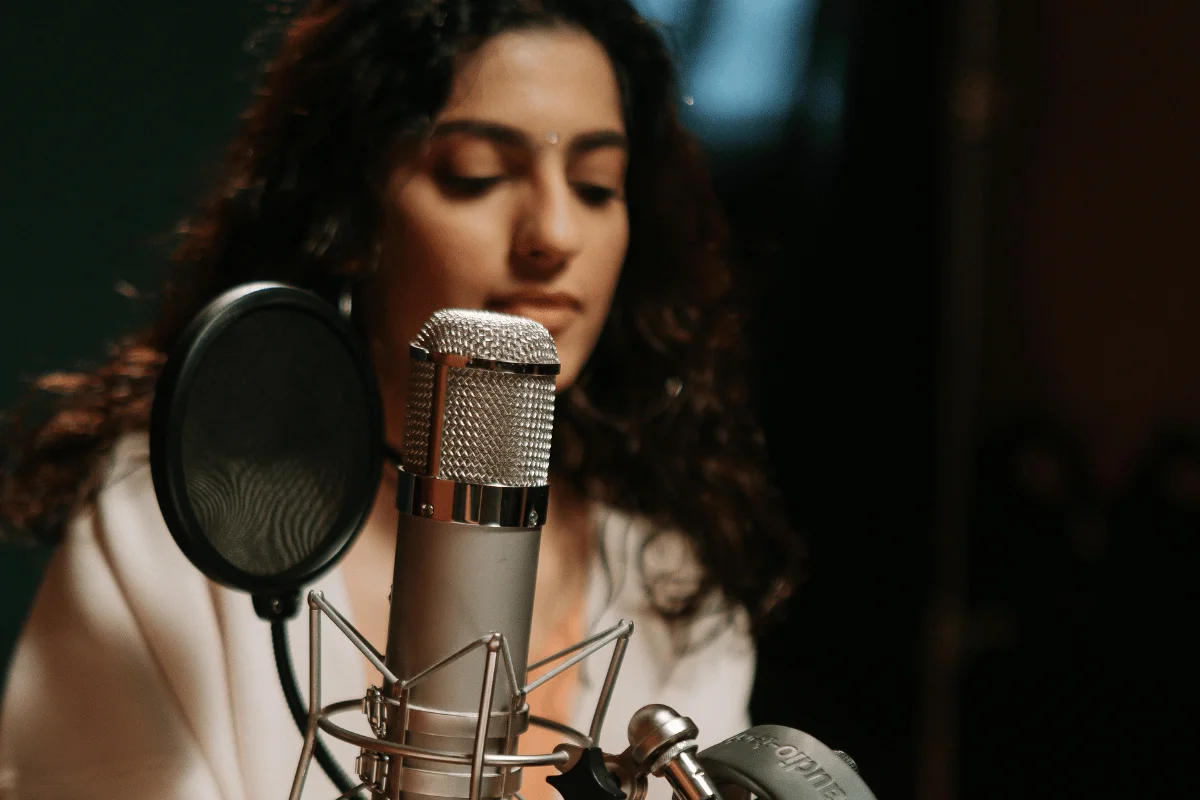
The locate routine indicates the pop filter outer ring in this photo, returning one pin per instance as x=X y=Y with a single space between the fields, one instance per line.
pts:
x=170 y=410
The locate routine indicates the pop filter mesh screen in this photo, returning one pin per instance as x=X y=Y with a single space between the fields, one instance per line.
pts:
x=274 y=441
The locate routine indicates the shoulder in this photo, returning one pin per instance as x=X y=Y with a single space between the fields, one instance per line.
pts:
x=121 y=612
x=702 y=665
x=654 y=572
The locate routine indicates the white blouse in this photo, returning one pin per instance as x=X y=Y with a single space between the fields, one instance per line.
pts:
x=137 y=677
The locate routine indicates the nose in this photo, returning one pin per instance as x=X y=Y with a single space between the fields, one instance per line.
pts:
x=549 y=233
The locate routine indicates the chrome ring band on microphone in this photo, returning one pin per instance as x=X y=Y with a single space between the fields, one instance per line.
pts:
x=411 y=751
x=418 y=353
x=463 y=724
x=471 y=503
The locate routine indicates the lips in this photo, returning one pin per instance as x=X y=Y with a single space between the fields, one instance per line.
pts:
x=553 y=310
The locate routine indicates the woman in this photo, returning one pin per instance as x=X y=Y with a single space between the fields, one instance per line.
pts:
x=517 y=155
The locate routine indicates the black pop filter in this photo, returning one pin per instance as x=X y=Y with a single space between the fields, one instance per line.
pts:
x=266 y=440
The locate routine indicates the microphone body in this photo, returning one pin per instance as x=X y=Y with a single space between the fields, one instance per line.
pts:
x=472 y=498
x=454 y=583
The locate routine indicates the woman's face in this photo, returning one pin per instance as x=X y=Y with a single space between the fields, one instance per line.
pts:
x=515 y=204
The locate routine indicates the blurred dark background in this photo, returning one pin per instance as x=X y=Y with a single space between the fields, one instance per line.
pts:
x=972 y=224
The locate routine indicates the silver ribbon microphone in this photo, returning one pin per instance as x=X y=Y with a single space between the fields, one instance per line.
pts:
x=472 y=500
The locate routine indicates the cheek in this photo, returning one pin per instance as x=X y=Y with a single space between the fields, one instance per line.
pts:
x=434 y=256
x=440 y=254
x=602 y=277
x=613 y=249
x=598 y=280
x=450 y=249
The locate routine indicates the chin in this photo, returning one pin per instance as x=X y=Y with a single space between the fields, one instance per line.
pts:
x=566 y=379
x=574 y=348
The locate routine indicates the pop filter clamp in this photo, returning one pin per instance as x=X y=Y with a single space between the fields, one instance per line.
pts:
x=266 y=448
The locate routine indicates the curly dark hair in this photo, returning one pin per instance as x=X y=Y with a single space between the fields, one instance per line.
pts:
x=660 y=420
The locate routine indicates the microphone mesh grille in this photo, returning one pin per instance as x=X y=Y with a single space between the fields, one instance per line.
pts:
x=487 y=335
x=497 y=425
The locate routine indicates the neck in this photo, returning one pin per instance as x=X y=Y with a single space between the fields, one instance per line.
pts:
x=567 y=532
x=560 y=595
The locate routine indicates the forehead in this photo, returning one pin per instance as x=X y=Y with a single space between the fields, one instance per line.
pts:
x=538 y=80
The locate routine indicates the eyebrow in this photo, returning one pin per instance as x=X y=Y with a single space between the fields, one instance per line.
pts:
x=513 y=137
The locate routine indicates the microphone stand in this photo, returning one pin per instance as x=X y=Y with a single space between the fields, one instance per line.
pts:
x=768 y=761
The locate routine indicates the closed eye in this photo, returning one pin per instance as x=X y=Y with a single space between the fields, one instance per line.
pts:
x=593 y=194
x=464 y=186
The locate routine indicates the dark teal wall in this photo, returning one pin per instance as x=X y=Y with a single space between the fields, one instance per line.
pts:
x=111 y=117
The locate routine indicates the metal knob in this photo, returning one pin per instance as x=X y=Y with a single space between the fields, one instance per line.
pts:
x=662 y=742
x=588 y=778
